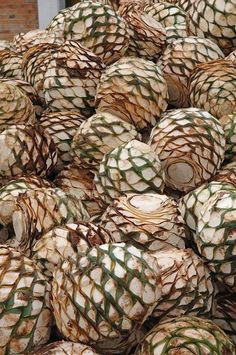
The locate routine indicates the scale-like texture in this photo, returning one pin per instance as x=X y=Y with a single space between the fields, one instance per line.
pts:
x=148 y=221
x=78 y=182
x=216 y=236
x=187 y=285
x=24 y=41
x=26 y=150
x=64 y=347
x=232 y=56
x=131 y=167
x=186 y=335
x=10 y=64
x=97 y=136
x=228 y=123
x=179 y=59
x=190 y=144
x=135 y=90
x=15 y=107
x=25 y=315
x=71 y=78
x=10 y=192
x=29 y=91
x=214 y=19
x=35 y=63
x=165 y=13
x=212 y=87
x=67 y=242
x=147 y=36
x=191 y=204
x=37 y=211
x=95 y=26
x=227 y=174
x=62 y=127
x=107 y=295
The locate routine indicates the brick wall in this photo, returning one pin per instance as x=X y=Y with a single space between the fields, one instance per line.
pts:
x=17 y=16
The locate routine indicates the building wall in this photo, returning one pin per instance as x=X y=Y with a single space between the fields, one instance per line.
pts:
x=17 y=16
x=47 y=10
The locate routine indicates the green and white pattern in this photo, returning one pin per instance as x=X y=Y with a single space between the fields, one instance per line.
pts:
x=71 y=79
x=186 y=335
x=214 y=19
x=62 y=127
x=190 y=144
x=135 y=90
x=205 y=91
x=132 y=167
x=148 y=221
x=25 y=311
x=67 y=242
x=107 y=295
x=215 y=237
x=179 y=59
x=95 y=26
x=10 y=64
x=228 y=123
x=191 y=204
x=38 y=211
x=97 y=136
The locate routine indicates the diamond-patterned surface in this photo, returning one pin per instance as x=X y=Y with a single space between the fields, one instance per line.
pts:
x=148 y=221
x=132 y=167
x=135 y=90
x=25 y=315
x=106 y=296
x=190 y=144
x=186 y=335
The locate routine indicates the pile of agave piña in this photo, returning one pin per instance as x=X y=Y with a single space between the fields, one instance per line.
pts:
x=118 y=181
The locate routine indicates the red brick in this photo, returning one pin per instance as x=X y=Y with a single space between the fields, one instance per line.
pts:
x=17 y=16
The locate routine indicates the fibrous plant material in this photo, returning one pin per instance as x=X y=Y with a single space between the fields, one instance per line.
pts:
x=215 y=237
x=120 y=285
x=166 y=13
x=15 y=107
x=212 y=87
x=191 y=204
x=78 y=182
x=25 y=311
x=62 y=127
x=214 y=20
x=228 y=123
x=131 y=167
x=187 y=286
x=67 y=242
x=8 y=199
x=64 y=347
x=24 y=41
x=190 y=144
x=179 y=59
x=97 y=136
x=10 y=64
x=186 y=335
x=4 y=44
x=29 y=91
x=133 y=89
x=227 y=174
x=26 y=150
x=95 y=26
x=224 y=313
x=35 y=63
x=71 y=78
x=147 y=36
x=38 y=211
x=149 y=221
